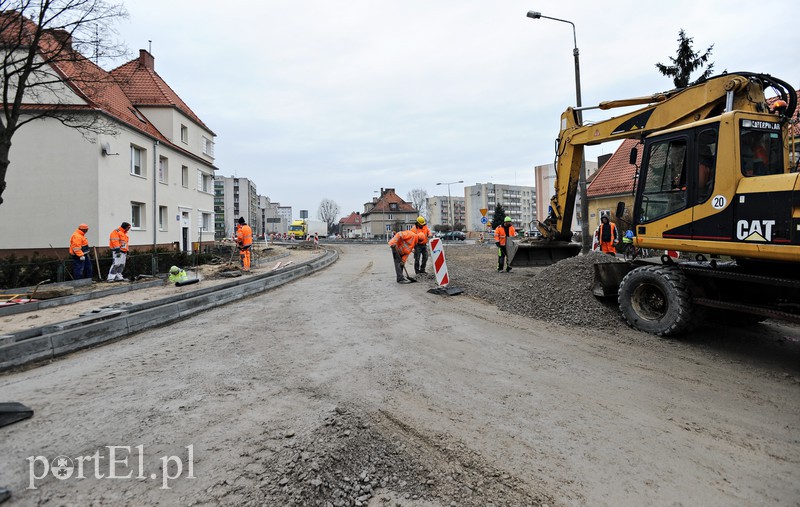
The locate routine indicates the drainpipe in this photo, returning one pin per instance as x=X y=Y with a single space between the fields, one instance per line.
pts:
x=155 y=207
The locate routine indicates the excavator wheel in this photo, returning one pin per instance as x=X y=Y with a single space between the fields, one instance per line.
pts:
x=657 y=300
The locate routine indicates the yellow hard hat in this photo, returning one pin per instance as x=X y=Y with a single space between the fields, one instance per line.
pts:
x=174 y=269
x=420 y=221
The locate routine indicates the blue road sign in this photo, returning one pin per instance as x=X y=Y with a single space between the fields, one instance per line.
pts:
x=484 y=220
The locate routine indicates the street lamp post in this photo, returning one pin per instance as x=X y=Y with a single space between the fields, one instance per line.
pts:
x=450 y=207
x=585 y=240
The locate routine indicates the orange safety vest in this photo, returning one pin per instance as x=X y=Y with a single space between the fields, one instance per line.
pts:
x=244 y=236
x=500 y=234
x=118 y=239
x=78 y=244
x=404 y=242
x=424 y=229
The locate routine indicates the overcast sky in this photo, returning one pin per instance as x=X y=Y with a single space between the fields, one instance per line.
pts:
x=315 y=99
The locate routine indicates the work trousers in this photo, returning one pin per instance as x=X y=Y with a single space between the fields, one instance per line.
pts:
x=420 y=258
x=244 y=254
x=82 y=268
x=398 y=265
x=117 y=266
x=502 y=256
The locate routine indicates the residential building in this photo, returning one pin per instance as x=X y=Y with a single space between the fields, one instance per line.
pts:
x=615 y=182
x=153 y=167
x=387 y=214
x=446 y=212
x=519 y=202
x=285 y=213
x=239 y=199
x=350 y=226
x=269 y=222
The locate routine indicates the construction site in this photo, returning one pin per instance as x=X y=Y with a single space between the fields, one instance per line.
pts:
x=341 y=387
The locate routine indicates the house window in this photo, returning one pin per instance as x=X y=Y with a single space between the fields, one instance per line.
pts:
x=184 y=176
x=163 y=166
x=162 y=218
x=205 y=182
x=137 y=215
x=205 y=222
x=393 y=206
x=184 y=134
x=137 y=161
x=208 y=147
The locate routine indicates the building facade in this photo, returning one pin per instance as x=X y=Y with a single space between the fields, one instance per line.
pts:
x=239 y=198
x=350 y=226
x=386 y=215
x=153 y=167
x=544 y=179
x=518 y=201
x=446 y=212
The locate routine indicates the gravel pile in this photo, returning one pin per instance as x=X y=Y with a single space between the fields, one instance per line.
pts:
x=560 y=293
x=355 y=460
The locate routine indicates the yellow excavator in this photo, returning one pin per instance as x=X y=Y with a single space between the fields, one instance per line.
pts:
x=716 y=183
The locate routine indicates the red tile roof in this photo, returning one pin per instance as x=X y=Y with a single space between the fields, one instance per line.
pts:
x=353 y=219
x=388 y=197
x=102 y=91
x=617 y=174
x=145 y=87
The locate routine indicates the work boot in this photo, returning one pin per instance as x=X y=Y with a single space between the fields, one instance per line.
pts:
x=403 y=280
x=508 y=269
x=499 y=270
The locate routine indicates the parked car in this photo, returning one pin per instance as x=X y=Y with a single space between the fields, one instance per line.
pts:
x=453 y=236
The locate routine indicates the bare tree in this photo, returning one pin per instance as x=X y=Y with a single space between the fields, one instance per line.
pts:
x=417 y=198
x=328 y=212
x=43 y=42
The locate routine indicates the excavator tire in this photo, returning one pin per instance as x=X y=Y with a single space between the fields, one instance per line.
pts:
x=657 y=300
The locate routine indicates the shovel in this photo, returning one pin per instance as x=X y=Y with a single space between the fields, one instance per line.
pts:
x=412 y=280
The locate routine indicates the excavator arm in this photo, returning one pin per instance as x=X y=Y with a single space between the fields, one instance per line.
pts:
x=712 y=97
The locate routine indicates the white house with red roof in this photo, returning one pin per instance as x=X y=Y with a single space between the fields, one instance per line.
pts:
x=156 y=172
x=350 y=226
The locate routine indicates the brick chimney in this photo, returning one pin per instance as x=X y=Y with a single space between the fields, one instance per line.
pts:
x=146 y=60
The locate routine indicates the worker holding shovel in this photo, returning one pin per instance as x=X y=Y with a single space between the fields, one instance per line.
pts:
x=402 y=244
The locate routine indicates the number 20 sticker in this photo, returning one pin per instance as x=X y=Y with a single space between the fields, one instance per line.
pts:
x=719 y=202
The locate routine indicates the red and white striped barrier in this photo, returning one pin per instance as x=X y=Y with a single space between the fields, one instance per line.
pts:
x=439 y=264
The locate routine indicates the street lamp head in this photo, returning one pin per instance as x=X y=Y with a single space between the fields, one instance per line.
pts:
x=440 y=183
x=534 y=14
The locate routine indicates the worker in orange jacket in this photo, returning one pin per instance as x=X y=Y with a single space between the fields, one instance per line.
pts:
x=244 y=238
x=402 y=244
x=501 y=235
x=118 y=243
x=79 y=251
x=606 y=236
x=421 y=249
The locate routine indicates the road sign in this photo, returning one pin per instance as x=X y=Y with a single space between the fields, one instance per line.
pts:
x=484 y=220
x=483 y=212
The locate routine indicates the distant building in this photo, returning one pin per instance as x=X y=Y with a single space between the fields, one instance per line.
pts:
x=446 y=211
x=387 y=214
x=239 y=199
x=269 y=222
x=285 y=213
x=518 y=201
x=350 y=226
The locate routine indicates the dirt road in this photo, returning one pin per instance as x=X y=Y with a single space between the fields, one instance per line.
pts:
x=346 y=388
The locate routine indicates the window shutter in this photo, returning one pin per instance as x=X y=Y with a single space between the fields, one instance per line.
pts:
x=199 y=179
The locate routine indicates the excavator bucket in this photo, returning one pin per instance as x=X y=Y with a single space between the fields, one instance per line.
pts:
x=608 y=276
x=541 y=252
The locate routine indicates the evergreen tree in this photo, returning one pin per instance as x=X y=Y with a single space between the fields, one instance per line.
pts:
x=686 y=61
x=499 y=216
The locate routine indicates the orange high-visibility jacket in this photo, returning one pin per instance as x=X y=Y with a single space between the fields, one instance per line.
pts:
x=404 y=242
x=500 y=234
x=424 y=229
x=244 y=236
x=78 y=244
x=118 y=239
